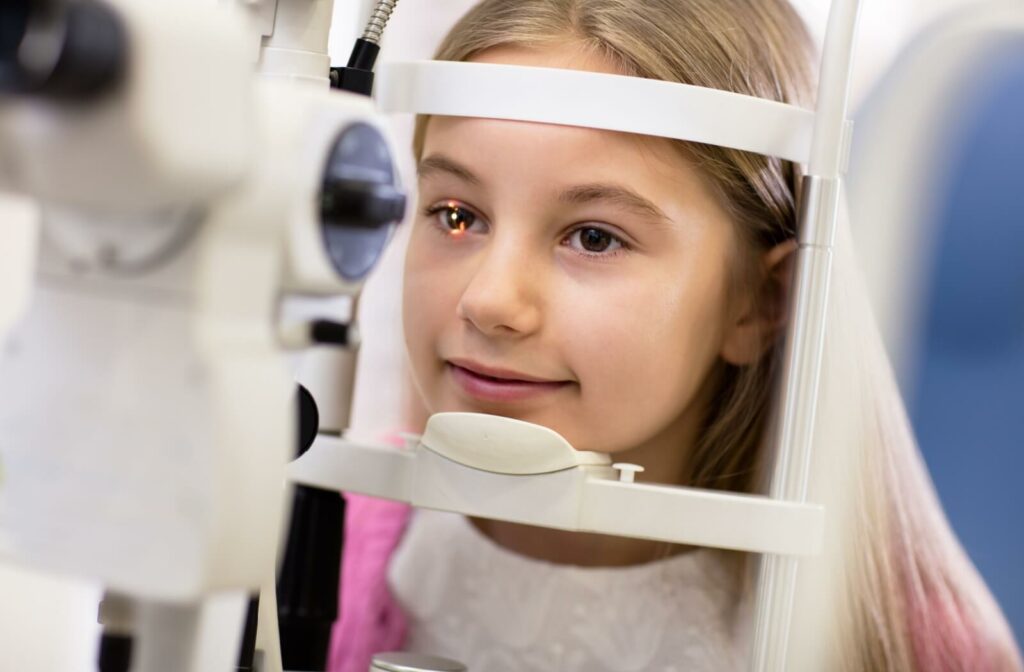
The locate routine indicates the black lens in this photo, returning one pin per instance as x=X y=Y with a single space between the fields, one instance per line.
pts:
x=74 y=50
x=13 y=23
x=94 y=56
x=14 y=18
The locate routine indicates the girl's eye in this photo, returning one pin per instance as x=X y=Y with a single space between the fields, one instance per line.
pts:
x=452 y=218
x=593 y=241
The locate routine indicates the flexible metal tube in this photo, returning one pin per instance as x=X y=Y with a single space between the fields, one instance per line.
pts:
x=379 y=20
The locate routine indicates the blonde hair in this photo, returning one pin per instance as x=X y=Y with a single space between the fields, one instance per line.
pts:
x=910 y=600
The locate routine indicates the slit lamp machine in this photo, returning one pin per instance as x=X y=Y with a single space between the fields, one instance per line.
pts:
x=174 y=179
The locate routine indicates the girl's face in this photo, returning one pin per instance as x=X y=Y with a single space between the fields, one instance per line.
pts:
x=569 y=277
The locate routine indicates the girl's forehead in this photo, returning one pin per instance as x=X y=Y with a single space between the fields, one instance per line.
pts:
x=497 y=150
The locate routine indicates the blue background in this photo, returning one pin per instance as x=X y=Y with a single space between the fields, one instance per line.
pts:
x=966 y=398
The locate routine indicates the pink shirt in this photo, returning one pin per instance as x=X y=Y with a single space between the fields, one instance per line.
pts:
x=371 y=621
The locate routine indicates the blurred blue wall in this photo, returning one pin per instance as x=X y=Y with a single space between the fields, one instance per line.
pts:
x=967 y=400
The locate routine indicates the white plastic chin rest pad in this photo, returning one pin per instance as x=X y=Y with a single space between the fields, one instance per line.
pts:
x=503 y=445
x=597 y=100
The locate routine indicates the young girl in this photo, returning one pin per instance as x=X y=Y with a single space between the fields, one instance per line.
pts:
x=629 y=292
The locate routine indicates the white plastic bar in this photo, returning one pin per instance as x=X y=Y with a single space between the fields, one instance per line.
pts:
x=585 y=499
x=803 y=357
x=335 y=464
x=828 y=146
x=597 y=100
x=701 y=517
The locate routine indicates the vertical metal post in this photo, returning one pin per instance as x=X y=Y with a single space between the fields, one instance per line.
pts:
x=817 y=228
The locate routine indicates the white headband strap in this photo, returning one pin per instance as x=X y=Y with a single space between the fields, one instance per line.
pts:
x=596 y=100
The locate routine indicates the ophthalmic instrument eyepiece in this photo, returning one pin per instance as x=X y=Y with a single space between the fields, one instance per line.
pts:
x=66 y=49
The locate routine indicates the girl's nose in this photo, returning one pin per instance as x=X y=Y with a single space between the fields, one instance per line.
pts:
x=503 y=296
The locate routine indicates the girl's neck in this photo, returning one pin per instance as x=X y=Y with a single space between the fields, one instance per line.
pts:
x=574 y=548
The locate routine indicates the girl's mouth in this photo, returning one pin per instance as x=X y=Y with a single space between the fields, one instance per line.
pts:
x=486 y=387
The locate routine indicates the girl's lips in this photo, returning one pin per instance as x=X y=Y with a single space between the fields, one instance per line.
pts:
x=486 y=388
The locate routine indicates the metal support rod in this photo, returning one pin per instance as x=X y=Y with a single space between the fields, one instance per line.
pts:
x=796 y=428
x=817 y=227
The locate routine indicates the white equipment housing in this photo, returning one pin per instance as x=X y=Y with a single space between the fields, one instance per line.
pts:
x=148 y=406
x=178 y=130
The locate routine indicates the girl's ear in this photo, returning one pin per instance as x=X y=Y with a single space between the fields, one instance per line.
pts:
x=762 y=314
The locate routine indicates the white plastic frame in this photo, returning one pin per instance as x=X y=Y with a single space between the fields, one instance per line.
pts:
x=595 y=100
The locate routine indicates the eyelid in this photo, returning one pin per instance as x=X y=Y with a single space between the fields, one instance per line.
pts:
x=431 y=211
x=454 y=203
x=611 y=229
x=625 y=245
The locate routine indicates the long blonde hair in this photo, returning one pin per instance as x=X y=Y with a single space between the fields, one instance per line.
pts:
x=910 y=600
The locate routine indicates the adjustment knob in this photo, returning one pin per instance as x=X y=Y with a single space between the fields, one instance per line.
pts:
x=360 y=200
x=361 y=204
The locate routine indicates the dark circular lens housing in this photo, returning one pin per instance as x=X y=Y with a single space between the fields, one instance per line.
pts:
x=62 y=49
x=14 y=26
x=360 y=201
x=14 y=15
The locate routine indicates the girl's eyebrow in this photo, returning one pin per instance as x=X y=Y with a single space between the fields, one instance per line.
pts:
x=438 y=163
x=613 y=194
x=617 y=195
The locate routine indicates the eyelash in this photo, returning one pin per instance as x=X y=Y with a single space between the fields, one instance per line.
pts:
x=434 y=210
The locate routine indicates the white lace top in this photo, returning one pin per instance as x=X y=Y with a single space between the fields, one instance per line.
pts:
x=497 y=611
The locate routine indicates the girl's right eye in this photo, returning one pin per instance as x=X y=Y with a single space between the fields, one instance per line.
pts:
x=453 y=218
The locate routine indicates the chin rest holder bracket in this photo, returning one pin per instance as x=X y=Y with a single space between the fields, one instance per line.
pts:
x=506 y=469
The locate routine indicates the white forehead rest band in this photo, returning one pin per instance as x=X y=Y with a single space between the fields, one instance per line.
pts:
x=596 y=100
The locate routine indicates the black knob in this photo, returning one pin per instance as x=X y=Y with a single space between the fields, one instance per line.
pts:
x=361 y=204
x=309 y=419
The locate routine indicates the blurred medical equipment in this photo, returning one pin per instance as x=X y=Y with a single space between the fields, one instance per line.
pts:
x=19 y=236
x=148 y=410
x=409 y=662
x=910 y=112
x=939 y=152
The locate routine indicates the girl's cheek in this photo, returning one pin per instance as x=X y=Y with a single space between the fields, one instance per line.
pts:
x=426 y=256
